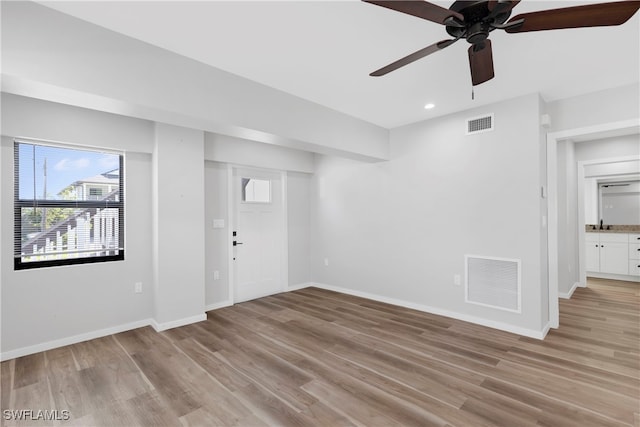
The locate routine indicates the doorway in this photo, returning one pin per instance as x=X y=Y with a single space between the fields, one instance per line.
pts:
x=626 y=127
x=259 y=238
x=591 y=175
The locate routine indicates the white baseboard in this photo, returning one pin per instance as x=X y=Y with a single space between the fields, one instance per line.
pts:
x=159 y=327
x=567 y=295
x=545 y=330
x=299 y=286
x=614 y=276
x=218 y=305
x=531 y=333
x=24 y=351
x=49 y=345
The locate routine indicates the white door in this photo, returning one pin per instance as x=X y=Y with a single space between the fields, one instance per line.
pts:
x=259 y=234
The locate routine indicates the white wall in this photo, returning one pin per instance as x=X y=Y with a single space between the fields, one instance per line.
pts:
x=54 y=306
x=50 y=307
x=544 y=215
x=51 y=121
x=400 y=230
x=227 y=149
x=178 y=216
x=619 y=146
x=49 y=55
x=568 y=263
x=613 y=105
x=299 y=228
x=216 y=240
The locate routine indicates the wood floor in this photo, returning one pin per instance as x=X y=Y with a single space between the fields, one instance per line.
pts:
x=314 y=357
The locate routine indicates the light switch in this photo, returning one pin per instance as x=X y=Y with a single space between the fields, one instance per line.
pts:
x=218 y=223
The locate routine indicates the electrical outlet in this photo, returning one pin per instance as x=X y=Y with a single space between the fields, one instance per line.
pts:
x=457 y=280
x=137 y=288
x=326 y=262
x=216 y=275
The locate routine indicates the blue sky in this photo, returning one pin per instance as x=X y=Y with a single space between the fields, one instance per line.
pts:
x=64 y=166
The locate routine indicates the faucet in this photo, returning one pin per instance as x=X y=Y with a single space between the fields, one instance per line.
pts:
x=601 y=227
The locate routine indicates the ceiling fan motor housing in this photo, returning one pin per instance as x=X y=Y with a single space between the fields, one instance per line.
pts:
x=478 y=21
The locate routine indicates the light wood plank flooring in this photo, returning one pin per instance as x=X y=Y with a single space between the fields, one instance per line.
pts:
x=314 y=357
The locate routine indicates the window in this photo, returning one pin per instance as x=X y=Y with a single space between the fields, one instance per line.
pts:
x=256 y=190
x=68 y=206
x=95 y=193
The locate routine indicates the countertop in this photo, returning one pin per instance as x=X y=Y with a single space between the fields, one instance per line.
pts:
x=614 y=228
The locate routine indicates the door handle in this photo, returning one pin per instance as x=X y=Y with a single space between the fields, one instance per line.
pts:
x=236 y=243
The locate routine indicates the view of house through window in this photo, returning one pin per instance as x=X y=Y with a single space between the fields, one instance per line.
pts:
x=256 y=190
x=69 y=206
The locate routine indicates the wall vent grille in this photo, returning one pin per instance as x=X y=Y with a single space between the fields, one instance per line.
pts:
x=480 y=124
x=493 y=282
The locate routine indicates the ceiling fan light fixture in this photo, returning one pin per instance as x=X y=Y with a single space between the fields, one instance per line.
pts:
x=474 y=20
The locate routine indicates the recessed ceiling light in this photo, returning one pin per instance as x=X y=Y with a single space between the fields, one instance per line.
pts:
x=429 y=106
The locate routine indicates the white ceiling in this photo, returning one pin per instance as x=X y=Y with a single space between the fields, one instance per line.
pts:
x=323 y=51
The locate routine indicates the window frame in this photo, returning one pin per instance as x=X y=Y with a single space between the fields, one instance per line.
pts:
x=19 y=204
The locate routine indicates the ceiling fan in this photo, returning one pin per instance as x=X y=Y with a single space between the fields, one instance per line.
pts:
x=474 y=20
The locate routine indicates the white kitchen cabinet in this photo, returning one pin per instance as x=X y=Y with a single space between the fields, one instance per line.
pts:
x=592 y=251
x=634 y=254
x=609 y=253
x=614 y=257
x=634 y=267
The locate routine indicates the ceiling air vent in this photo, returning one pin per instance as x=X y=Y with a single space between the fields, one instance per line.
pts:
x=480 y=124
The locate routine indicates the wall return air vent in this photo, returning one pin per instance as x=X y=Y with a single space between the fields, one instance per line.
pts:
x=493 y=282
x=480 y=124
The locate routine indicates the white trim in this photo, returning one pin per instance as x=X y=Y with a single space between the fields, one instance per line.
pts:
x=567 y=295
x=531 y=333
x=299 y=286
x=217 y=305
x=37 y=348
x=552 y=230
x=627 y=278
x=159 y=327
x=545 y=330
x=284 y=244
x=552 y=186
x=232 y=225
x=67 y=145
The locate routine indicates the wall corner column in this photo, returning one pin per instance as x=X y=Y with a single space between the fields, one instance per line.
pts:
x=177 y=221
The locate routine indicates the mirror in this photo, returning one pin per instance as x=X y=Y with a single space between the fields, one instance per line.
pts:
x=619 y=202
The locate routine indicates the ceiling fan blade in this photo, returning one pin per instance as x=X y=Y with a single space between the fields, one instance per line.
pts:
x=592 y=15
x=481 y=62
x=420 y=9
x=413 y=57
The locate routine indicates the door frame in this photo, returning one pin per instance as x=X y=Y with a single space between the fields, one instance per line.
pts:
x=625 y=127
x=284 y=244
